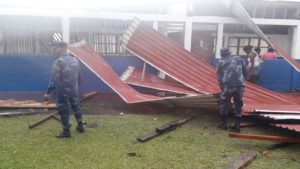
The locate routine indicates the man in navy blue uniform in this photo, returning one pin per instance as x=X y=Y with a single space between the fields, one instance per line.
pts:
x=63 y=86
x=231 y=74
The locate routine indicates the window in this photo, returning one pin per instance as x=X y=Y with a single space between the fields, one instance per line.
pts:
x=103 y=35
x=28 y=35
x=236 y=44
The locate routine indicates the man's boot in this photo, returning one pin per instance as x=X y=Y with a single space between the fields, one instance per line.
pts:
x=236 y=127
x=79 y=127
x=64 y=134
x=223 y=124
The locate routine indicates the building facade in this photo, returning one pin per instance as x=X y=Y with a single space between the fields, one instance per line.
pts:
x=201 y=27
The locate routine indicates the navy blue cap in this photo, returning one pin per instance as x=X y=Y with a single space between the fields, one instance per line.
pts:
x=58 y=44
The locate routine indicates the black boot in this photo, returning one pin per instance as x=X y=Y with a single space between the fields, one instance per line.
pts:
x=64 y=134
x=236 y=127
x=79 y=127
x=223 y=124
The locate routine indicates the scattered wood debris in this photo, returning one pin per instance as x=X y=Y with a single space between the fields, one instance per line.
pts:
x=264 y=137
x=242 y=161
x=164 y=129
x=28 y=104
x=42 y=120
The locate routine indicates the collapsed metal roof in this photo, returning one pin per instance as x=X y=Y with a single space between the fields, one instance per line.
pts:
x=104 y=71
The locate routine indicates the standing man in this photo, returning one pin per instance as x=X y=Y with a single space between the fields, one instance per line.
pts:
x=231 y=74
x=257 y=66
x=251 y=55
x=64 y=86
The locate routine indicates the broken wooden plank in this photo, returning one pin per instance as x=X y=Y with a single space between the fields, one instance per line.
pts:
x=163 y=129
x=56 y=117
x=55 y=114
x=275 y=146
x=19 y=112
x=88 y=96
x=173 y=124
x=42 y=120
x=245 y=125
x=29 y=106
x=242 y=161
x=153 y=134
x=147 y=137
x=264 y=137
x=16 y=113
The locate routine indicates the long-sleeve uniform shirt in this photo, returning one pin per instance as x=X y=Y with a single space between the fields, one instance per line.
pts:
x=65 y=76
x=231 y=71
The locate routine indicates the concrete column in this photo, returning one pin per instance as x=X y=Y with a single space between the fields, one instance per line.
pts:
x=219 y=40
x=155 y=25
x=296 y=42
x=290 y=40
x=1 y=42
x=188 y=35
x=226 y=40
x=66 y=29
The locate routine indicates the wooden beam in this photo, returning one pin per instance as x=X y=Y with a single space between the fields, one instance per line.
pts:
x=29 y=106
x=54 y=114
x=242 y=161
x=88 y=96
x=164 y=129
x=264 y=137
x=56 y=117
x=18 y=112
x=42 y=120
x=275 y=146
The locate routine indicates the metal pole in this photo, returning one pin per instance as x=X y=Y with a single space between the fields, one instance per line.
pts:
x=144 y=68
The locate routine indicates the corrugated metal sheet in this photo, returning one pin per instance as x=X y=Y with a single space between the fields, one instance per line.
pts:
x=281 y=116
x=197 y=102
x=100 y=68
x=293 y=96
x=172 y=59
x=169 y=57
x=242 y=14
x=136 y=77
x=272 y=108
x=292 y=127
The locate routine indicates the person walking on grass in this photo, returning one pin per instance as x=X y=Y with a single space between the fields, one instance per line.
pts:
x=231 y=74
x=63 y=86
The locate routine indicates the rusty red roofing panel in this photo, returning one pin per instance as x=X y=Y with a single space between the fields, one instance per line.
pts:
x=272 y=108
x=293 y=96
x=200 y=101
x=100 y=68
x=293 y=127
x=172 y=59
x=136 y=77
x=281 y=116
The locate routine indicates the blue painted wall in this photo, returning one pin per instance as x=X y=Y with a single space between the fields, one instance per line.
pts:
x=31 y=74
x=278 y=75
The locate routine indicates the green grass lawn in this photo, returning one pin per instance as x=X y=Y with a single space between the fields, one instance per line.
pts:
x=197 y=144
